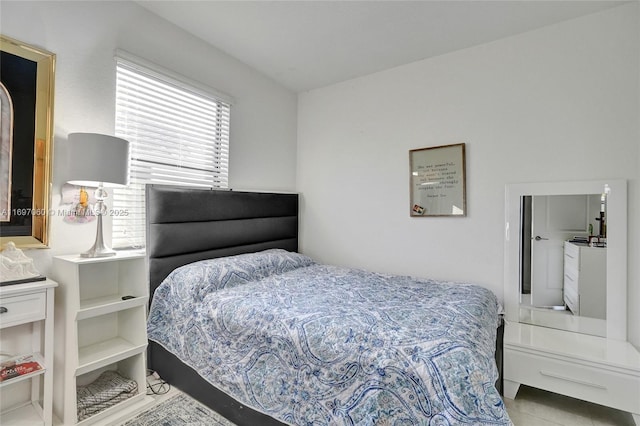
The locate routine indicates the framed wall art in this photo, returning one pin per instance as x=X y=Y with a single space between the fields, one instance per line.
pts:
x=438 y=183
x=26 y=137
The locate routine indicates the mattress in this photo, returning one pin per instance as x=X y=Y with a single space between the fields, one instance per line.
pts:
x=307 y=343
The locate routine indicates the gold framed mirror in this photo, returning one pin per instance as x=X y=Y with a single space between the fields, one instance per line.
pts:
x=26 y=139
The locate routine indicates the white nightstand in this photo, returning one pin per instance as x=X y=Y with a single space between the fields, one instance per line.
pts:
x=100 y=325
x=28 y=307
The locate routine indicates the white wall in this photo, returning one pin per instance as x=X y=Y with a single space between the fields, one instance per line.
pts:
x=559 y=103
x=84 y=36
x=634 y=234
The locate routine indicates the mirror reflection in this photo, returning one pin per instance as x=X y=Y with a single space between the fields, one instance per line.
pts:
x=594 y=216
x=563 y=260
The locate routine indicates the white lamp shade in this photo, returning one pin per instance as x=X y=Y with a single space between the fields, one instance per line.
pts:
x=95 y=158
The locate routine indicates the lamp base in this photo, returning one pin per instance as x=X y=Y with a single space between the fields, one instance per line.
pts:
x=98 y=252
x=99 y=249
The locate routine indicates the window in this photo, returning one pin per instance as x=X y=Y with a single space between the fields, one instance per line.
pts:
x=178 y=133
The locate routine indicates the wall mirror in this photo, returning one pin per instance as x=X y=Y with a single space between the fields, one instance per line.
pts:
x=26 y=134
x=540 y=217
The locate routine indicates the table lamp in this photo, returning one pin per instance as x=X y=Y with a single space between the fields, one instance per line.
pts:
x=102 y=161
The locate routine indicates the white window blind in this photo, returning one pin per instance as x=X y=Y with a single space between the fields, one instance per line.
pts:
x=179 y=135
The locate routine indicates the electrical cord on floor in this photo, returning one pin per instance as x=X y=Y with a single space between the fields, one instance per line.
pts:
x=159 y=386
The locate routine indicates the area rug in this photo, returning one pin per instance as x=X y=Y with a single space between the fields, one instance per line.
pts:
x=179 y=410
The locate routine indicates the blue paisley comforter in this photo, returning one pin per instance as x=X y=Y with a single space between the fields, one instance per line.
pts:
x=312 y=344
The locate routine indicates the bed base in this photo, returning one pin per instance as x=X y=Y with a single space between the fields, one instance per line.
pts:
x=183 y=377
x=500 y=356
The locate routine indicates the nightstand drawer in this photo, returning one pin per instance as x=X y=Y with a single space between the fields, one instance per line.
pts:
x=605 y=387
x=21 y=309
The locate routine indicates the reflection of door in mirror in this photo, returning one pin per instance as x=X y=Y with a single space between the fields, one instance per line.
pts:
x=548 y=221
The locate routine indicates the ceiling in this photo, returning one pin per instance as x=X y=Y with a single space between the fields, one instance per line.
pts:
x=310 y=44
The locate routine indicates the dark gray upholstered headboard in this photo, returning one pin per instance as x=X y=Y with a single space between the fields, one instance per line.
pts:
x=185 y=225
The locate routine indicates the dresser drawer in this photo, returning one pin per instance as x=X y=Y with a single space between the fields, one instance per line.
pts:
x=21 y=309
x=571 y=249
x=572 y=301
x=571 y=279
x=605 y=387
x=570 y=291
x=571 y=257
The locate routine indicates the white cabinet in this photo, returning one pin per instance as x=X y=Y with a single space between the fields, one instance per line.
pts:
x=26 y=328
x=595 y=369
x=100 y=326
x=585 y=280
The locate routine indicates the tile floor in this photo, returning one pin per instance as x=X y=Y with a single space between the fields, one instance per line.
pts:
x=535 y=407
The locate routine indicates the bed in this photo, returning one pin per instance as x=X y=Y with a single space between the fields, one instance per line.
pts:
x=265 y=335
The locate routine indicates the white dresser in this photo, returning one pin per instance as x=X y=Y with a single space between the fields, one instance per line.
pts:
x=595 y=369
x=585 y=280
x=600 y=367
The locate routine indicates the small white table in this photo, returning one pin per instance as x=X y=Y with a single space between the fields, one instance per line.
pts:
x=30 y=302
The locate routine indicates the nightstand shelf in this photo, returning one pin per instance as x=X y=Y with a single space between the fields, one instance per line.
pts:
x=102 y=331
x=27 y=414
x=104 y=353
x=122 y=410
x=37 y=357
x=108 y=304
